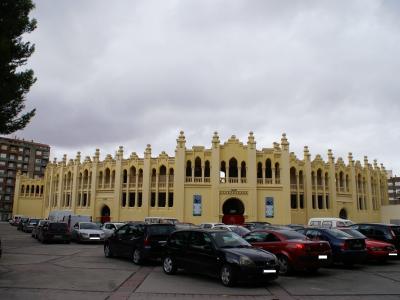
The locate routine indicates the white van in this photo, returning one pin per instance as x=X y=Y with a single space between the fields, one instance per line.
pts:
x=329 y=222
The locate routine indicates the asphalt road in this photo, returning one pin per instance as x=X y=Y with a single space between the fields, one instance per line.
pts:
x=31 y=270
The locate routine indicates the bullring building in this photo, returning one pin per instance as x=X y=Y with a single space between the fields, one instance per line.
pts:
x=228 y=181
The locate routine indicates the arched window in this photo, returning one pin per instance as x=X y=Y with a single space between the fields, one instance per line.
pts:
x=301 y=179
x=22 y=189
x=171 y=175
x=107 y=176
x=233 y=168
x=313 y=179
x=319 y=177
x=347 y=183
x=69 y=180
x=37 y=190
x=163 y=173
x=41 y=190
x=207 y=169
x=222 y=174
x=268 y=169
x=80 y=180
x=85 y=178
x=112 y=178
x=341 y=181
x=140 y=178
x=125 y=176
x=293 y=181
x=153 y=175
x=188 y=168
x=100 y=178
x=197 y=167
x=243 y=170
x=277 y=171
x=326 y=181
x=259 y=170
x=132 y=174
x=32 y=190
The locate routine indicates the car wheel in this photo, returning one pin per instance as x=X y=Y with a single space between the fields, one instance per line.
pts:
x=284 y=267
x=107 y=251
x=227 y=276
x=137 y=257
x=169 y=265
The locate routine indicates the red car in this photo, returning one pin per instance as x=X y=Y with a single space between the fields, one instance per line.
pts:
x=376 y=250
x=293 y=249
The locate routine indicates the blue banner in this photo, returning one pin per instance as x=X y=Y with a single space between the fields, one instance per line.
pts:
x=196 y=205
x=269 y=207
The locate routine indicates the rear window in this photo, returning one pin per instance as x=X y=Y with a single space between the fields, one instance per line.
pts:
x=354 y=233
x=396 y=230
x=160 y=229
x=292 y=235
x=338 y=233
x=58 y=226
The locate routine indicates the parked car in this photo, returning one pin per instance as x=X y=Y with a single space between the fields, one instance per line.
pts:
x=240 y=230
x=210 y=225
x=329 y=222
x=256 y=225
x=87 y=232
x=110 y=227
x=21 y=223
x=36 y=229
x=218 y=253
x=28 y=226
x=389 y=233
x=293 y=249
x=15 y=220
x=138 y=241
x=345 y=248
x=376 y=250
x=54 y=232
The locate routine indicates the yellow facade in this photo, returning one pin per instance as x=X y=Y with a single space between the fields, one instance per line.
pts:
x=229 y=178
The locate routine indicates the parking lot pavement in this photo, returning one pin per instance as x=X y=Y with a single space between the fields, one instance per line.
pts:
x=31 y=270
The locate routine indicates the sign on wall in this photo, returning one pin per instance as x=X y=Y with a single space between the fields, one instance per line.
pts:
x=196 y=205
x=269 y=207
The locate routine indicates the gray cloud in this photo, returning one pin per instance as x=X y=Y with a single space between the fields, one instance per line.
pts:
x=137 y=72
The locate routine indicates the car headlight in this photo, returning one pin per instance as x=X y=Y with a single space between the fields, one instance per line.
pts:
x=84 y=234
x=102 y=235
x=245 y=261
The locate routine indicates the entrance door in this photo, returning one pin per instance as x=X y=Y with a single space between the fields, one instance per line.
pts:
x=343 y=214
x=233 y=210
x=105 y=214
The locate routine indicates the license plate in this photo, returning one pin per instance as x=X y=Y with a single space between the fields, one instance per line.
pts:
x=322 y=256
x=392 y=254
x=269 y=271
x=94 y=238
x=58 y=236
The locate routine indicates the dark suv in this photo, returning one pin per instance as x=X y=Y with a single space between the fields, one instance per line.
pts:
x=389 y=233
x=54 y=231
x=221 y=254
x=138 y=241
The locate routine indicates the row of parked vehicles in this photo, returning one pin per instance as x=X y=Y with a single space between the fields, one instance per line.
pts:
x=260 y=252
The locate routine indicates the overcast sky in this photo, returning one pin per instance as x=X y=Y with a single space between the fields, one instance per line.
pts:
x=133 y=73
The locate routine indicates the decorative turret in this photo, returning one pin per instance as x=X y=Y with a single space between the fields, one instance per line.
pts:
x=55 y=160
x=215 y=140
x=250 y=140
x=375 y=164
x=284 y=142
x=96 y=156
x=350 y=157
x=147 y=152
x=78 y=158
x=180 y=141
x=64 y=160
x=331 y=158
x=120 y=153
x=366 y=161
x=307 y=155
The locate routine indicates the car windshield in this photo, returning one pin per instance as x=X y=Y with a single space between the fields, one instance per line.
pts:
x=58 y=226
x=240 y=230
x=292 y=235
x=228 y=239
x=89 y=226
x=338 y=233
x=354 y=233
x=396 y=230
x=118 y=225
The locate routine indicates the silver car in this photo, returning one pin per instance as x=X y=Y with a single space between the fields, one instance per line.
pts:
x=87 y=232
x=110 y=227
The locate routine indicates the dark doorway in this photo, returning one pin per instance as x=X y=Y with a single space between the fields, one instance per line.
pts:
x=233 y=210
x=105 y=214
x=343 y=214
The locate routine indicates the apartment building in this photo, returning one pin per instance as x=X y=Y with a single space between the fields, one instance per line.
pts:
x=28 y=157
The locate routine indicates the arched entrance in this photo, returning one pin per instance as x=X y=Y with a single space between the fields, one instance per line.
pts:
x=233 y=210
x=343 y=213
x=105 y=214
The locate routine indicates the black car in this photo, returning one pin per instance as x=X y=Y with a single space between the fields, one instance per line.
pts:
x=28 y=226
x=138 y=241
x=54 y=232
x=345 y=248
x=36 y=229
x=389 y=233
x=222 y=254
x=21 y=223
